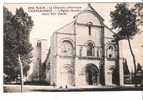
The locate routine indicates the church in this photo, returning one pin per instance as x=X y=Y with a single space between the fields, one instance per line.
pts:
x=83 y=53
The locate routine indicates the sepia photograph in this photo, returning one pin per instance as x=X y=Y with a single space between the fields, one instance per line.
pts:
x=64 y=47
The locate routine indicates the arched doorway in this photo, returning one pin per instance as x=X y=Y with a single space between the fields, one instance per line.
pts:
x=92 y=74
x=67 y=76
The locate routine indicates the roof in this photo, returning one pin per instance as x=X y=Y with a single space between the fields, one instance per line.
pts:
x=68 y=28
x=90 y=8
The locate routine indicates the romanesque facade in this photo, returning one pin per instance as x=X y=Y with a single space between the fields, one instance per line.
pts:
x=84 y=53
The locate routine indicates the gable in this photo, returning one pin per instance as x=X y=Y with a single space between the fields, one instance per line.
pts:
x=68 y=28
x=89 y=15
x=86 y=17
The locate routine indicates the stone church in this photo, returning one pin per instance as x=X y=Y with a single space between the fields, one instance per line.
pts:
x=83 y=53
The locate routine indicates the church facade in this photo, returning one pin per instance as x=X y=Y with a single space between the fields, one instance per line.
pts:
x=84 y=53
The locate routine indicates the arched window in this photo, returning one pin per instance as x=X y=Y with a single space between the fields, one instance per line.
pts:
x=110 y=51
x=67 y=48
x=89 y=28
x=90 y=49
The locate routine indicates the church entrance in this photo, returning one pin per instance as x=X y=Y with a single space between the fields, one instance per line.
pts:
x=92 y=74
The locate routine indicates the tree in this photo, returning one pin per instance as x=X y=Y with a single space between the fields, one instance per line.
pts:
x=25 y=70
x=125 y=67
x=16 y=42
x=139 y=74
x=23 y=25
x=124 y=22
x=139 y=67
x=10 y=60
x=139 y=11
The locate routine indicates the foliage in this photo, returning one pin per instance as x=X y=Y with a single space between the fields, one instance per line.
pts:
x=139 y=11
x=124 y=21
x=16 y=41
x=125 y=67
x=139 y=67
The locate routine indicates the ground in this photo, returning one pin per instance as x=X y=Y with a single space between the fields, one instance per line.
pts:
x=26 y=88
x=35 y=88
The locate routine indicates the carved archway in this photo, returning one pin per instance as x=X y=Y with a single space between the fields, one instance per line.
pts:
x=92 y=74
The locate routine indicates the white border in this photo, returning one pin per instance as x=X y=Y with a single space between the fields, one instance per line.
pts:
x=120 y=95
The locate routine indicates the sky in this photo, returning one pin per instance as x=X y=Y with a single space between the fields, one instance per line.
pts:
x=45 y=25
